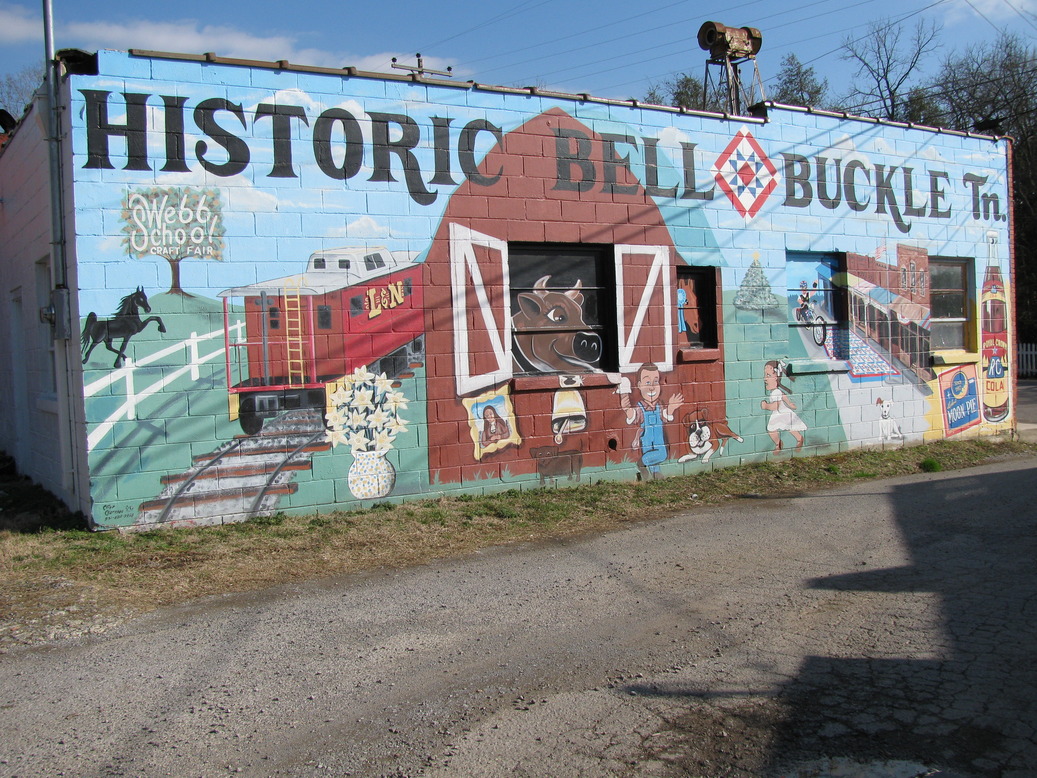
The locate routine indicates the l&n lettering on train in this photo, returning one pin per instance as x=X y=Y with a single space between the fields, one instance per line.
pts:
x=383 y=298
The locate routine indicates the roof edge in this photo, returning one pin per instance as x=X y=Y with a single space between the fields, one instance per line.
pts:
x=885 y=122
x=352 y=72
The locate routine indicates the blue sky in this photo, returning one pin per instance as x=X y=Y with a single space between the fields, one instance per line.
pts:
x=607 y=48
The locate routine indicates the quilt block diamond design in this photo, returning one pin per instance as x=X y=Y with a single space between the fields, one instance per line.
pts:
x=745 y=174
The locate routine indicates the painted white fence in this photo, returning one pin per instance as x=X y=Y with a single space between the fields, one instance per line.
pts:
x=134 y=396
x=1026 y=359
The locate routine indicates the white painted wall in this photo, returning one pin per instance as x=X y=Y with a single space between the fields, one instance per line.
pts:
x=35 y=413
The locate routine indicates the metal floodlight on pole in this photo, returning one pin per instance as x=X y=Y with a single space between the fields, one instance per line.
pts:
x=729 y=49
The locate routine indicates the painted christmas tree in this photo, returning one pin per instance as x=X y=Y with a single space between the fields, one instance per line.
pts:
x=755 y=291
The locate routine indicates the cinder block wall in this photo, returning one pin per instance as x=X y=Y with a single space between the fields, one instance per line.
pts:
x=431 y=289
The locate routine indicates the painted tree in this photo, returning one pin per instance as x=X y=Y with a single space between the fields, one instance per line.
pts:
x=755 y=292
x=175 y=223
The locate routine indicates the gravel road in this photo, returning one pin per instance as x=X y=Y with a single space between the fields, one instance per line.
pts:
x=884 y=629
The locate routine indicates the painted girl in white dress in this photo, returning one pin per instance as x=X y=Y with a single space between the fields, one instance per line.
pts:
x=782 y=408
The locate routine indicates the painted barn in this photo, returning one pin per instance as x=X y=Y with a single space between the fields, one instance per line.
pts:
x=281 y=288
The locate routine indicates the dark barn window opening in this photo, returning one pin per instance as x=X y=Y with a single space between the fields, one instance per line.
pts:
x=563 y=307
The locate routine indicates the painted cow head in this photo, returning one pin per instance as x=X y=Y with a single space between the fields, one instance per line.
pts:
x=549 y=330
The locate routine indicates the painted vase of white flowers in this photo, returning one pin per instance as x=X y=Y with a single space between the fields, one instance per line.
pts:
x=364 y=414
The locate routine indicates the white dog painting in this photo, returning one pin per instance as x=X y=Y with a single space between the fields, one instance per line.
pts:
x=889 y=429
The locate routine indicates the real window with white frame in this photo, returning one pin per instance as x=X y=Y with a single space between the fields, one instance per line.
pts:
x=950 y=292
x=513 y=309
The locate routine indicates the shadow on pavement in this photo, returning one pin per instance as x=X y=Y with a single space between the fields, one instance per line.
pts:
x=965 y=699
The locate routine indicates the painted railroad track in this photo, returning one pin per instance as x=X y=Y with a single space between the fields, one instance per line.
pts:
x=244 y=477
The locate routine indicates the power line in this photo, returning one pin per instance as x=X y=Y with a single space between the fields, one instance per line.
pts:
x=681 y=44
x=892 y=23
x=594 y=45
x=683 y=41
x=937 y=92
x=626 y=36
x=872 y=31
x=499 y=17
x=579 y=34
x=621 y=66
x=1021 y=15
x=984 y=17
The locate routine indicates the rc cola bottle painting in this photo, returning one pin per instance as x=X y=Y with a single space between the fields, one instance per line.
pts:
x=994 y=346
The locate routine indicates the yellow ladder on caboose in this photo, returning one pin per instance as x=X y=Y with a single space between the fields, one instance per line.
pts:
x=294 y=332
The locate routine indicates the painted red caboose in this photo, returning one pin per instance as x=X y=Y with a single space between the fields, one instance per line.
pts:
x=352 y=307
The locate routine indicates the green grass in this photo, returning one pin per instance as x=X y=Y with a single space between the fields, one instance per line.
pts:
x=143 y=570
x=930 y=465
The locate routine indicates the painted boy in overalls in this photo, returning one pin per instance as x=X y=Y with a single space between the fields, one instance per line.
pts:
x=651 y=415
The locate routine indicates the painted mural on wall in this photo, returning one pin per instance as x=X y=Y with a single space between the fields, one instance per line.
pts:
x=889 y=429
x=648 y=412
x=754 y=292
x=551 y=330
x=959 y=398
x=781 y=407
x=689 y=322
x=995 y=323
x=377 y=291
x=175 y=223
x=568 y=408
x=706 y=437
x=560 y=320
x=365 y=413
x=492 y=422
x=891 y=315
x=121 y=325
x=349 y=308
x=813 y=305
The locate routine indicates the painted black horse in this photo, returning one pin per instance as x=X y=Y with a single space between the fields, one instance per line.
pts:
x=125 y=323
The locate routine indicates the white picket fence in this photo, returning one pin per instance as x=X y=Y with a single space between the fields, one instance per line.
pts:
x=1026 y=360
x=133 y=395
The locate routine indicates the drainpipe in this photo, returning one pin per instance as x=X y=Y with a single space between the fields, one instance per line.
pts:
x=59 y=312
x=57 y=194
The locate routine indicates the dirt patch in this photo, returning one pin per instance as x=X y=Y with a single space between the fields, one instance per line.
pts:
x=735 y=741
x=46 y=609
x=760 y=739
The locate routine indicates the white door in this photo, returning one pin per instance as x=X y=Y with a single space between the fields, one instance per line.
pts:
x=18 y=349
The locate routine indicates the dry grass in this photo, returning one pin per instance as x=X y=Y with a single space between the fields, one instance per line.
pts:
x=52 y=570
